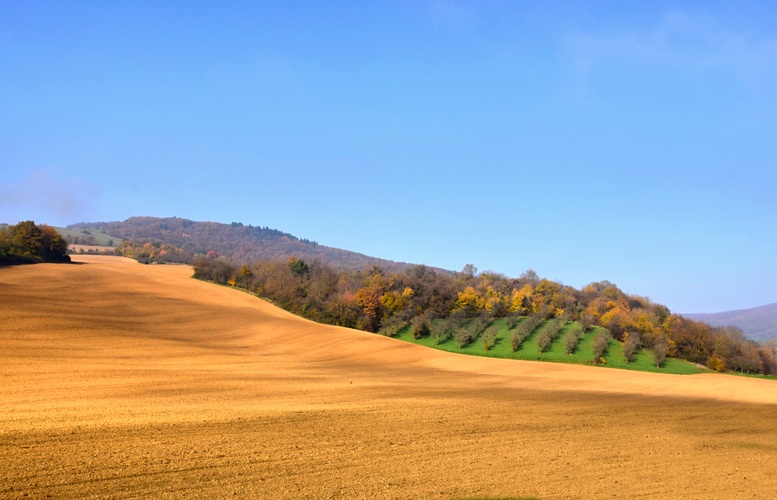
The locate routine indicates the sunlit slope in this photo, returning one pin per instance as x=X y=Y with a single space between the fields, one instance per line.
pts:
x=111 y=328
x=118 y=379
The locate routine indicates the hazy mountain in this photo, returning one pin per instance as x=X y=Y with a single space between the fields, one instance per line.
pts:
x=239 y=242
x=759 y=323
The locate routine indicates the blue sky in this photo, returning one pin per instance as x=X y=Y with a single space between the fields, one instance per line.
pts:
x=629 y=141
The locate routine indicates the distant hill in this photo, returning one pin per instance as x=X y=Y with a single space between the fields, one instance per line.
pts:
x=242 y=243
x=758 y=323
x=83 y=236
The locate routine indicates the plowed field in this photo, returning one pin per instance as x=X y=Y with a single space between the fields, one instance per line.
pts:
x=124 y=380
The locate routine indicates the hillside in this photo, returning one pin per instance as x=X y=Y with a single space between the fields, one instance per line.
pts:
x=758 y=323
x=138 y=381
x=88 y=237
x=241 y=243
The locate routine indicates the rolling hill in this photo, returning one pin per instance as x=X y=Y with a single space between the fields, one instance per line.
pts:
x=137 y=381
x=239 y=242
x=93 y=237
x=758 y=323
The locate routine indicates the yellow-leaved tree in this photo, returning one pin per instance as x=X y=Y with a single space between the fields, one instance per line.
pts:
x=470 y=301
x=520 y=301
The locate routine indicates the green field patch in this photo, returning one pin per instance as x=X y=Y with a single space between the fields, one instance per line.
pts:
x=529 y=350
x=93 y=237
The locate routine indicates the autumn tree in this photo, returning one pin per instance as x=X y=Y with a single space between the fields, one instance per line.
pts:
x=478 y=324
x=5 y=246
x=768 y=361
x=243 y=277
x=322 y=285
x=520 y=300
x=524 y=330
x=512 y=321
x=546 y=297
x=441 y=330
x=433 y=294
x=747 y=360
x=54 y=245
x=494 y=302
x=617 y=321
x=586 y=322
x=659 y=349
x=392 y=327
x=368 y=299
x=469 y=271
x=599 y=346
x=716 y=363
x=470 y=302
x=392 y=302
x=693 y=339
x=572 y=338
x=631 y=343
x=419 y=327
x=548 y=334
x=27 y=242
x=28 y=239
x=462 y=336
x=530 y=277
x=489 y=338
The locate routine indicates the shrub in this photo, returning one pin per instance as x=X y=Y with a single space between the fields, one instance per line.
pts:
x=477 y=325
x=441 y=330
x=630 y=345
x=523 y=331
x=489 y=338
x=659 y=351
x=587 y=321
x=543 y=341
x=599 y=346
x=462 y=336
x=392 y=327
x=420 y=327
x=516 y=340
x=512 y=321
x=546 y=336
x=716 y=363
x=572 y=339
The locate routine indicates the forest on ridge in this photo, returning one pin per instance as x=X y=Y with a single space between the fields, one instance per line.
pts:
x=462 y=306
x=185 y=238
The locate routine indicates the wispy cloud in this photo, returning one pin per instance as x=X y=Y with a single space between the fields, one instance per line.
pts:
x=680 y=42
x=46 y=196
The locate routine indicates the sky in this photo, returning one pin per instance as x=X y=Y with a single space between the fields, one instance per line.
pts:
x=634 y=142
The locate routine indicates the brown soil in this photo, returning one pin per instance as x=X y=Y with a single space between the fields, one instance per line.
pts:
x=124 y=380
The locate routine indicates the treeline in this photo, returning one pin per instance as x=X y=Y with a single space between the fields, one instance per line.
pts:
x=447 y=305
x=29 y=243
x=237 y=241
x=92 y=251
x=158 y=253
